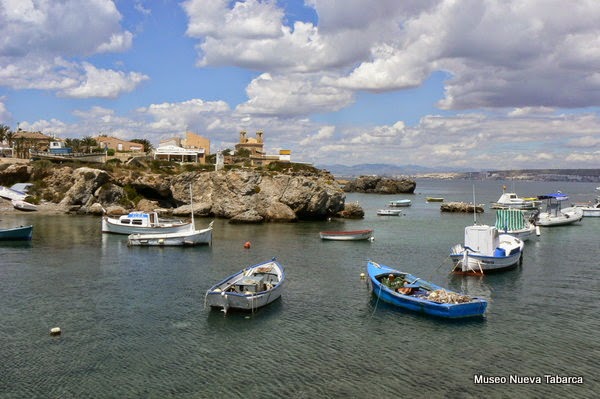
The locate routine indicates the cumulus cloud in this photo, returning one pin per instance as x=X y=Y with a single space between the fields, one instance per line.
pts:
x=169 y=117
x=4 y=114
x=102 y=83
x=39 y=41
x=523 y=54
x=324 y=133
x=291 y=95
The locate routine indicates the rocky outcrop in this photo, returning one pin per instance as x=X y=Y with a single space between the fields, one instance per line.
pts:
x=460 y=207
x=15 y=173
x=251 y=195
x=380 y=185
x=352 y=211
x=244 y=196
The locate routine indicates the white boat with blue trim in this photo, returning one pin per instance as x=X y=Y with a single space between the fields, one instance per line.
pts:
x=486 y=251
x=144 y=223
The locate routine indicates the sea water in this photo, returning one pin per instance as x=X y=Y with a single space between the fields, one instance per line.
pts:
x=134 y=324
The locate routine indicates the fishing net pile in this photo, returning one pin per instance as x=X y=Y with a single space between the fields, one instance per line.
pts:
x=443 y=296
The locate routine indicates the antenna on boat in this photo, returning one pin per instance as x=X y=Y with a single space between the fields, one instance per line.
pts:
x=474 y=210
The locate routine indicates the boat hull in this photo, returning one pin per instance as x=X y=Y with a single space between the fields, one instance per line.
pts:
x=563 y=217
x=187 y=239
x=400 y=203
x=389 y=212
x=21 y=233
x=476 y=307
x=591 y=212
x=271 y=287
x=524 y=234
x=355 y=235
x=23 y=206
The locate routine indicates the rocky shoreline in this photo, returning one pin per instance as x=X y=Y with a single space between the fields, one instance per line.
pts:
x=241 y=195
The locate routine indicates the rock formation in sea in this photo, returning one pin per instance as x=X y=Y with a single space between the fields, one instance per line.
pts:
x=460 y=207
x=381 y=185
x=241 y=195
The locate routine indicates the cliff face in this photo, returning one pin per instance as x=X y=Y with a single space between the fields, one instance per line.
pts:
x=248 y=195
x=240 y=195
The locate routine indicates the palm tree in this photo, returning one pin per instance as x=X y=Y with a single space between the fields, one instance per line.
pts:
x=87 y=143
x=3 y=132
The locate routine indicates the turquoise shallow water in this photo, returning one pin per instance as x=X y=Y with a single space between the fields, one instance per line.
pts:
x=134 y=324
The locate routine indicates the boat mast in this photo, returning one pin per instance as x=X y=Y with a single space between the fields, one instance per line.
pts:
x=192 y=207
x=474 y=211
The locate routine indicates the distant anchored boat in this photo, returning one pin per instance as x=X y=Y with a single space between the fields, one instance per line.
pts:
x=389 y=212
x=399 y=203
x=350 y=235
x=513 y=201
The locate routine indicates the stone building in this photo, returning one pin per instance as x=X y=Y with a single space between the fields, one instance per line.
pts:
x=255 y=148
x=254 y=145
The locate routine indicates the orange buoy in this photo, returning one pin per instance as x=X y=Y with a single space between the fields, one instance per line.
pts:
x=247 y=244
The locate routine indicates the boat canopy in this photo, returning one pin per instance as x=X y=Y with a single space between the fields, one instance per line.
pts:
x=509 y=220
x=557 y=196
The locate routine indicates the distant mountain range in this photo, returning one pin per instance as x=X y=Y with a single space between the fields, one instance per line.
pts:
x=381 y=169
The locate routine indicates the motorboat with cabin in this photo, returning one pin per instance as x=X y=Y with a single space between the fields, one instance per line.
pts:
x=144 y=223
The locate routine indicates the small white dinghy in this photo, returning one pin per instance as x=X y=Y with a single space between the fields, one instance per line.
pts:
x=389 y=212
x=23 y=206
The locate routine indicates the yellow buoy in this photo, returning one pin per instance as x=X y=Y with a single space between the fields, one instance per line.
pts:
x=55 y=331
x=362 y=276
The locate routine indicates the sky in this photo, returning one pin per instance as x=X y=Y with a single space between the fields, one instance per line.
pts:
x=473 y=84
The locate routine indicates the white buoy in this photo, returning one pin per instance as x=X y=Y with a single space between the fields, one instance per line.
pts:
x=55 y=331
x=537 y=231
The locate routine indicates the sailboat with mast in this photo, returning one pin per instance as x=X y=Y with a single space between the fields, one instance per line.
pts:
x=191 y=237
x=485 y=250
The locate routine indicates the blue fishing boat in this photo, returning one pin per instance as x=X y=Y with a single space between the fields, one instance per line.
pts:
x=412 y=293
x=21 y=233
